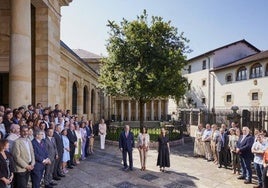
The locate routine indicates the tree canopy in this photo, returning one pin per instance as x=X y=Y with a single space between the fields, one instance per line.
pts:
x=145 y=59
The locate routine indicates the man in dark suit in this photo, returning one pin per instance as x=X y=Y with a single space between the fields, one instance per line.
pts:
x=243 y=148
x=73 y=144
x=222 y=148
x=41 y=158
x=126 y=145
x=52 y=155
x=57 y=173
x=89 y=132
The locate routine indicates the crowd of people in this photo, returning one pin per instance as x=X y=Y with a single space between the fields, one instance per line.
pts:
x=231 y=147
x=43 y=143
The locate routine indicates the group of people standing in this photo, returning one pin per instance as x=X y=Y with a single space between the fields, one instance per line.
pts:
x=127 y=143
x=44 y=146
x=235 y=148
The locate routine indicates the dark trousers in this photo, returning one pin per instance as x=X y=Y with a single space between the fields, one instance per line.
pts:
x=259 y=172
x=86 y=151
x=48 y=172
x=246 y=168
x=124 y=153
x=264 y=177
x=223 y=157
x=57 y=166
x=21 y=179
x=36 y=177
x=72 y=151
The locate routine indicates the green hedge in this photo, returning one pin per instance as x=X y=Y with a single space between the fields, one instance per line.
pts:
x=114 y=133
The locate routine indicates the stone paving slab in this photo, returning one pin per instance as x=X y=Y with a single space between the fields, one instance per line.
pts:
x=103 y=169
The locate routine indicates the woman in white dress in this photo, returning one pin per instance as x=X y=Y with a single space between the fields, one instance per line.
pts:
x=102 y=133
x=143 y=146
x=84 y=139
x=198 y=144
x=78 y=149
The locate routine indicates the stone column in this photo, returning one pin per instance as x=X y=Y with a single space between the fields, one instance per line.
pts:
x=129 y=110
x=137 y=110
x=152 y=110
x=122 y=110
x=166 y=109
x=145 y=112
x=159 y=110
x=20 y=73
x=115 y=110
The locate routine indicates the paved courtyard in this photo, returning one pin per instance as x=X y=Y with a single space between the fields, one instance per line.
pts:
x=104 y=169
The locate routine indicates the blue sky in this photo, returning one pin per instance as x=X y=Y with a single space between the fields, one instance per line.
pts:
x=208 y=24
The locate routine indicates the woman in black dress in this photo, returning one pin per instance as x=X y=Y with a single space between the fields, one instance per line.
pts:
x=6 y=165
x=163 y=151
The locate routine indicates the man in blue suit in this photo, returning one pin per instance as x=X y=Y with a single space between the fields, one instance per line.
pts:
x=126 y=145
x=41 y=158
x=244 y=145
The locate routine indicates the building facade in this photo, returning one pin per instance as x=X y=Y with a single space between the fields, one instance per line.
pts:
x=35 y=66
x=232 y=75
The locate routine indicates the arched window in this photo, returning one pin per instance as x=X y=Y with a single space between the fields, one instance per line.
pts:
x=74 y=99
x=241 y=74
x=85 y=100
x=256 y=71
x=266 y=70
x=92 y=100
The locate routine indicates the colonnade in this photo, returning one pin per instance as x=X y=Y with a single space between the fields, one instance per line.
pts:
x=128 y=110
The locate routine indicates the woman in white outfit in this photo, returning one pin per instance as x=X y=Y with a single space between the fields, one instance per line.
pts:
x=102 y=133
x=143 y=146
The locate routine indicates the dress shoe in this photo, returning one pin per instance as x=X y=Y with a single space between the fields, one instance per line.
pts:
x=70 y=167
x=125 y=168
x=73 y=164
x=56 y=178
x=61 y=175
x=48 y=186
x=241 y=177
x=53 y=184
x=219 y=166
x=247 y=182
x=131 y=169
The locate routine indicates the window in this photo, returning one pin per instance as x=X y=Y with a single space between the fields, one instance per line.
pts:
x=228 y=98
x=204 y=65
x=229 y=78
x=255 y=96
x=203 y=100
x=241 y=74
x=203 y=82
x=189 y=69
x=256 y=71
x=266 y=70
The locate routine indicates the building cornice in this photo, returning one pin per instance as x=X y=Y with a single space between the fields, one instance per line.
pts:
x=65 y=2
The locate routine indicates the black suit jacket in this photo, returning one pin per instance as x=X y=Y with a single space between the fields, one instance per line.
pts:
x=3 y=166
x=72 y=137
x=245 y=146
x=40 y=154
x=126 y=143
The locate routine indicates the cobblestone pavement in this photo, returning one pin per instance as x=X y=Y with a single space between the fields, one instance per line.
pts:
x=104 y=169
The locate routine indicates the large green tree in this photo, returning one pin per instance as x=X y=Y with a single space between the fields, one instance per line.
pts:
x=145 y=60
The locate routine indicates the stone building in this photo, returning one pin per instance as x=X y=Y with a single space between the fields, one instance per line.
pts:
x=231 y=75
x=35 y=66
